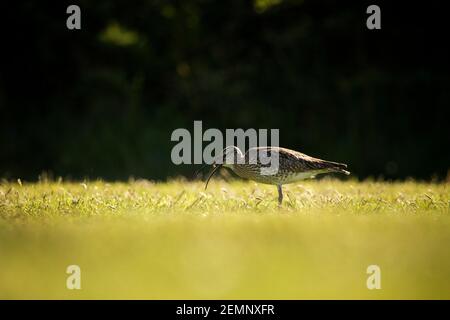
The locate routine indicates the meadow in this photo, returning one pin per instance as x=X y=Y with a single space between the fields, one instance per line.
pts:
x=174 y=240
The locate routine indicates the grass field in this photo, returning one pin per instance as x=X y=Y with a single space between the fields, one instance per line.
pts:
x=174 y=240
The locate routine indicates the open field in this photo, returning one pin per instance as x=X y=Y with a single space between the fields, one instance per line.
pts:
x=176 y=241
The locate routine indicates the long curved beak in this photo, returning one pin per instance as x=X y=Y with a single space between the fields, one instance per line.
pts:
x=216 y=167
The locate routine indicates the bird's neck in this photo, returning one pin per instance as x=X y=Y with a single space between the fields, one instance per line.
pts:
x=239 y=160
x=239 y=169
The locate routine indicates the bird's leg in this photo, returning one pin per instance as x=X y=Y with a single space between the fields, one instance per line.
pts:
x=280 y=194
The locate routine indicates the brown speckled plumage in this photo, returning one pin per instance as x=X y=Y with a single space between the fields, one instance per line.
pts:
x=292 y=166
x=291 y=163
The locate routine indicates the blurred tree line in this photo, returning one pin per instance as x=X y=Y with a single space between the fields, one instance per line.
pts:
x=104 y=100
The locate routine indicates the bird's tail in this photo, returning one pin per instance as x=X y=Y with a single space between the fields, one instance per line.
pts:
x=338 y=167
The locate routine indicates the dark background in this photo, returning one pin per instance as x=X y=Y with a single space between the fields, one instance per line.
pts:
x=103 y=101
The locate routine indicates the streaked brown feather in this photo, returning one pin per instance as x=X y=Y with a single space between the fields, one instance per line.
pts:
x=290 y=163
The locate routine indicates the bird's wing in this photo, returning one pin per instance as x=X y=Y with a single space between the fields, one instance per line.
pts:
x=303 y=162
x=296 y=161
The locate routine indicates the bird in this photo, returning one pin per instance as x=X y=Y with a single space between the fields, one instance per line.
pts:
x=291 y=166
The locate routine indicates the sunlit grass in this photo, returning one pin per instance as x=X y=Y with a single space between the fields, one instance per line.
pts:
x=175 y=240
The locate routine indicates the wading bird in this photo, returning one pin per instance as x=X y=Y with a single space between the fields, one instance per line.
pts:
x=290 y=166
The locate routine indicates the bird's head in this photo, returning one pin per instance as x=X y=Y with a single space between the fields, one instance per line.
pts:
x=230 y=156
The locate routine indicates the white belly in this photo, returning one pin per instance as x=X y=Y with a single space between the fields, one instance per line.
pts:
x=300 y=176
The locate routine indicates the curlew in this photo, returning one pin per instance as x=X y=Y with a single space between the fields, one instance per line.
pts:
x=292 y=166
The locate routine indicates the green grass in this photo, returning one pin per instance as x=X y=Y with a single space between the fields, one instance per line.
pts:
x=176 y=241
